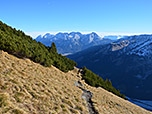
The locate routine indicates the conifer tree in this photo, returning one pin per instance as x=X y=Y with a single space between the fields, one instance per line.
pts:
x=53 y=47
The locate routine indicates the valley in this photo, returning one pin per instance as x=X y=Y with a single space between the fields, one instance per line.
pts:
x=126 y=62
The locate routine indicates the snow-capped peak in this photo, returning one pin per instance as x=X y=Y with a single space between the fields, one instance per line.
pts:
x=140 y=45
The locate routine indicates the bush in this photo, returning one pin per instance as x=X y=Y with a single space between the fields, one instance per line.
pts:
x=96 y=81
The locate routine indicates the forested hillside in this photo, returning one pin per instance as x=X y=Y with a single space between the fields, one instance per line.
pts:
x=96 y=81
x=23 y=46
x=17 y=43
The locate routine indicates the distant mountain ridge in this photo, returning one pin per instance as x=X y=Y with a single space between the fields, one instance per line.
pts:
x=75 y=41
x=129 y=66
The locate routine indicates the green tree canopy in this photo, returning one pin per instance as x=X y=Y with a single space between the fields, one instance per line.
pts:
x=17 y=43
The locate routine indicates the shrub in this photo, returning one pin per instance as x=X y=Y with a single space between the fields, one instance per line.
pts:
x=96 y=81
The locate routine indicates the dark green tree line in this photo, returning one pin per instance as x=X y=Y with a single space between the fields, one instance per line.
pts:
x=96 y=81
x=17 y=43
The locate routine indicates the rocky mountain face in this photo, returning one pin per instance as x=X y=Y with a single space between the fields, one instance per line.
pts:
x=30 y=88
x=73 y=42
x=127 y=62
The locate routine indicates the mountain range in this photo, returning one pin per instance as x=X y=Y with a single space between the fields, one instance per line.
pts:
x=68 y=43
x=36 y=79
x=127 y=62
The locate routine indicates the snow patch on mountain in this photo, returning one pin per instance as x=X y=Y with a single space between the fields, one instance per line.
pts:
x=70 y=36
x=140 y=45
x=77 y=37
x=91 y=38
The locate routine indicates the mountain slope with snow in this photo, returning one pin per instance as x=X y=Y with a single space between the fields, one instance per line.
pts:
x=127 y=62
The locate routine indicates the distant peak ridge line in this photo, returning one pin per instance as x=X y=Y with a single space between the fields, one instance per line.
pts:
x=111 y=36
x=73 y=42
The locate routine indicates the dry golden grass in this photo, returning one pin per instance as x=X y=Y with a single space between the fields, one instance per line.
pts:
x=29 y=88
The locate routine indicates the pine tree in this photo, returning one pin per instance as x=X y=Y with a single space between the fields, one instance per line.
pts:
x=53 y=47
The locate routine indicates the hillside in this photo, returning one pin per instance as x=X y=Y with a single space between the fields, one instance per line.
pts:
x=19 y=44
x=30 y=88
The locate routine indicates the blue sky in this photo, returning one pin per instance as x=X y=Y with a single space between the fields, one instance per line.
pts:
x=102 y=16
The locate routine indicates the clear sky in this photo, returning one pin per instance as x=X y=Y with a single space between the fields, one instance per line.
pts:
x=104 y=16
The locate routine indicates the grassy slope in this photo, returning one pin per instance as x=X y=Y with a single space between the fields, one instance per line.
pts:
x=29 y=88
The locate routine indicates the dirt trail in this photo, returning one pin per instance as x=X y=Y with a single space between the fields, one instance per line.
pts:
x=87 y=95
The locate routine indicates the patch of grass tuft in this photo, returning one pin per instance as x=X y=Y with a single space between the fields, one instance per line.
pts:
x=62 y=106
x=67 y=102
x=17 y=111
x=79 y=108
x=3 y=100
x=18 y=96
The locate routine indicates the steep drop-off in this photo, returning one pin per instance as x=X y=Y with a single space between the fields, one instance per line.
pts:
x=126 y=62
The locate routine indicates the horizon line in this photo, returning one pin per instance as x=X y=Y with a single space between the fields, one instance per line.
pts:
x=36 y=34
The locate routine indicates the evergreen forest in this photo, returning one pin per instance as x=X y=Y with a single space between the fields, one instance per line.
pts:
x=17 y=43
x=96 y=81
